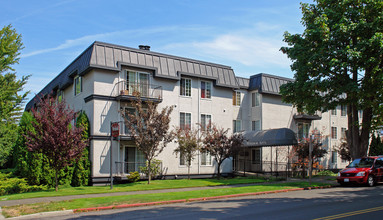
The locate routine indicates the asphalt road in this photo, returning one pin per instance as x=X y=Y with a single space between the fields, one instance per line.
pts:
x=332 y=203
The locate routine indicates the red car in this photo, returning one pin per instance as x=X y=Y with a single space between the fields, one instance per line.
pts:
x=366 y=170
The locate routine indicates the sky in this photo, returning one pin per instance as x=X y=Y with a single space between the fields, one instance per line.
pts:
x=246 y=35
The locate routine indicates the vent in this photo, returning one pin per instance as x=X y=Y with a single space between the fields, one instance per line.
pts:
x=144 y=47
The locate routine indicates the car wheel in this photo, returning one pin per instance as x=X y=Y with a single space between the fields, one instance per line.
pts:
x=370 y=181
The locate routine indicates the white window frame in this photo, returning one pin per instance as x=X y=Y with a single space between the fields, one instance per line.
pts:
x=208 y=159
x=183 y=90
x=254 y=125
x=235 y=126
x=255 y=99
x=334 y=132
x=185 y=113
x=236 y=99
x=208 y=87
x=204 y=123
x=75 y=85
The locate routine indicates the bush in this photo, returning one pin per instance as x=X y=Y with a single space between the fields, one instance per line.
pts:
x=326 y=173
x=12 y=185
x=133 y=177
x=155 y=168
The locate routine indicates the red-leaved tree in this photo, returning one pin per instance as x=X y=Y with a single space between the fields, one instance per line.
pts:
x=54 y=135
x=149 y=129
x=220 y=146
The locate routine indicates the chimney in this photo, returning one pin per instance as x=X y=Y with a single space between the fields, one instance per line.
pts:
x=144 y=47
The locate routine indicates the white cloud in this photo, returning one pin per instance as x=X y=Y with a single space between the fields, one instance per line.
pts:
x=248 y=50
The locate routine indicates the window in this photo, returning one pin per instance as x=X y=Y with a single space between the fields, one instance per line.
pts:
x=256 y=156
x=60 y=95
x=303 y=130
x=333 y=111
x=137 y=83
x=343 y=110
x=182 y=160
x=256 y=125
x=205 y=121
x=185 y=120
x=237 y=126
x=334 y=157
x=255 y=99
x=205 y=90
x=205 y=159
x=131 y=111
x=343 y=132
x=185 y=89
x=77 y=85
x=334 y=132
x=236 y=98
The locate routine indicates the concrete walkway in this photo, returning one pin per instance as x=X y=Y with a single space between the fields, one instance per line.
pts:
x=62 y=198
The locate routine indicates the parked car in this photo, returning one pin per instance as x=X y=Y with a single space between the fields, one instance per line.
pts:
x=366 y=170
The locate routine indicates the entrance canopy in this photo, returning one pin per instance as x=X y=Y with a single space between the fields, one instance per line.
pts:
x=271 y=137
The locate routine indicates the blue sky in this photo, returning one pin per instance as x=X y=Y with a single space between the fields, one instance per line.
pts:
x=245 y=35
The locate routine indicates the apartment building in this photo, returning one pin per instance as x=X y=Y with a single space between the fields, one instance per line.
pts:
x=104 y=78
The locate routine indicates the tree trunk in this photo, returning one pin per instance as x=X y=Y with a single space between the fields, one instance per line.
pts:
x=219 y=170
x=57 y=184
x=149 y=171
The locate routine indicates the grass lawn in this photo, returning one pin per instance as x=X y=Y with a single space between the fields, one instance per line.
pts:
x=138 y=186
x=13 y=211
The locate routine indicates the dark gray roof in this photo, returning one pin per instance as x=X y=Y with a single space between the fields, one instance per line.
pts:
x=243 y=82
x=266 y=83
x=271 y=137
x=112 y=57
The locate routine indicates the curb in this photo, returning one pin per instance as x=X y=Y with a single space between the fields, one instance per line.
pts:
x=191 y=200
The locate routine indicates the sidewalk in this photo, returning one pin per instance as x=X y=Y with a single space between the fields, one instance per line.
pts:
x=61 y=198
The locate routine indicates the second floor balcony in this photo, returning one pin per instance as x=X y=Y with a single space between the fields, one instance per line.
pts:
x=126 y=91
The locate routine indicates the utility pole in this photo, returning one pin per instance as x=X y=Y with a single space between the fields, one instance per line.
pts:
x=310 y=158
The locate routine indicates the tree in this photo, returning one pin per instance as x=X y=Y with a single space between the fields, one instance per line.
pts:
x=11 y=95
x=149 y=128
x=220 y=146
x=376 y=147
x=302 y=151
x=81 y=171
x=54 y=136
x=188 y=144
x=338 y=60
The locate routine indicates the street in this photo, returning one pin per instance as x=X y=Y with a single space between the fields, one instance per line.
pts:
x=332 y=203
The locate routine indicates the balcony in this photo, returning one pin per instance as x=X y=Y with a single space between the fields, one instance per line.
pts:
x=126 y=91
x=302 y=116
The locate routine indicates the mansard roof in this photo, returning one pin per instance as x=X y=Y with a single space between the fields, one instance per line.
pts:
x=266 y=83
x=112 y=57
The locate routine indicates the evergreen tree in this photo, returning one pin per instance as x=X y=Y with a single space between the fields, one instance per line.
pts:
x=11 y=91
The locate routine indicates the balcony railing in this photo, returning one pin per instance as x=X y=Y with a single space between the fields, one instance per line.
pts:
x=124 y=168
x=126 y=90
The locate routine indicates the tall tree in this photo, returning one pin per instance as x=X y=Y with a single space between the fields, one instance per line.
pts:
x=220 y=146
x=188 y=145
x=149 y=128
x=11 y=95
x=338 y=60
x=54 y=136
x=376 y=146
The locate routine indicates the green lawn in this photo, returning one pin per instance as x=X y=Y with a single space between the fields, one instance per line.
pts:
x=138 y=186
x=12 y=211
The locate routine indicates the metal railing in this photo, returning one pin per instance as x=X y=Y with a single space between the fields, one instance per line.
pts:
x=123 y=168
x=128 y=89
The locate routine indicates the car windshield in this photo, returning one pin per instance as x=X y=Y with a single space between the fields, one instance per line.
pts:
x=363 y=163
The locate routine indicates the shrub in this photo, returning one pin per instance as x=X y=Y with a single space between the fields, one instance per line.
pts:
x=155 y=168
x=326 y=173
x=12 y=185
x=133 y=177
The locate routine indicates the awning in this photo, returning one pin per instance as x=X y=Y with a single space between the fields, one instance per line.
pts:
x=271 y=137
